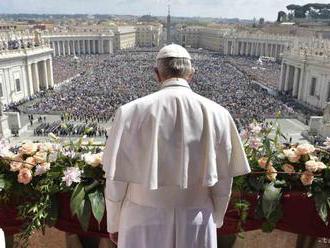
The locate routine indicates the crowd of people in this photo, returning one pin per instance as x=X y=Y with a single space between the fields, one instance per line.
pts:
x=262 y=71
x=106 y=82
x=70 y=128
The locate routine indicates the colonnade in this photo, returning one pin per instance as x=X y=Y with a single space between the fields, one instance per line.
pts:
x=76 y=46
x=39 y=75
x=257 y=48
x=291 y=80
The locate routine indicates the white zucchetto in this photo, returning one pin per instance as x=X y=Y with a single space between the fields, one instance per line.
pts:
x=173 y=51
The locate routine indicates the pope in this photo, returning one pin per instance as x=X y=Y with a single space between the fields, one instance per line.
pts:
x=169 y=162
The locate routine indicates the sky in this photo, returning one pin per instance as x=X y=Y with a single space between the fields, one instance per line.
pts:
x=243 y=9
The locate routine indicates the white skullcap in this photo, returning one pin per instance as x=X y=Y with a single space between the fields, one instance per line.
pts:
x=173 y=51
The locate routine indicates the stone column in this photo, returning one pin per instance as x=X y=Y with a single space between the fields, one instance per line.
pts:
x=44 y=74
x=301 y=84
x=69 y=48
x=29 y=78
x=295 y=82
x=63 y=46
x=101 y=47
x=36 y=82
x=276 y=51
x=53 y=46
x=89 y=46
x=58 y=48
x=271 y=51
x=287 y=74
x=282 y=76
x=50 y=73
x=84 y=46
x=78 y=47
x=93 y=46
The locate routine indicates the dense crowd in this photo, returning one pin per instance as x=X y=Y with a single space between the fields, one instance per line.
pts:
x=65 y=68
x=69 y=128
x=105 y=83
x=263 y=71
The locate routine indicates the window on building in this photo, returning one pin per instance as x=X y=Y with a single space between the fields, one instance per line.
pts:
x=18 y=85
x=328 y=97
x=313 y=87
x=1 y=92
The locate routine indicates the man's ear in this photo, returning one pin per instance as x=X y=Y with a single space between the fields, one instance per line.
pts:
x=157 y=75
x=191 y=74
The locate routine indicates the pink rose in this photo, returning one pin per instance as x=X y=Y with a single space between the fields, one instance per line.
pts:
x=262 y=162
x=311 y=166
x=321 y=166
x=17 y=164
x=40 y=157
x=292 y=155
x=271 y=173
x=304 y=149
x=28 y=148
x=288 y=168
x=24 y=176
x=307 y=178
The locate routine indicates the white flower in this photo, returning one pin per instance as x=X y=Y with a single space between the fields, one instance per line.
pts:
x=69 y=153
x=255 y=128
x=3 y=144
x=93 y=159
x=255 y=143
x=42 y=168
x=71 y=174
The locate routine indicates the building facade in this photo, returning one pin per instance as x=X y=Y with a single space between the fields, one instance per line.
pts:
x=125 y=37
x=148 y=35
x=24 y=72
x=305 y=73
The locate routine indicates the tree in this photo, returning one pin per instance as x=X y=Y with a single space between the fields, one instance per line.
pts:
x=281 y=16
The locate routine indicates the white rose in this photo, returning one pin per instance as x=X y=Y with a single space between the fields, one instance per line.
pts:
x=93 y=159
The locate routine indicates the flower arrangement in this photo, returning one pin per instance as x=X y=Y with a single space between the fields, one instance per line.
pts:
x=32 y=174
x=279 y=166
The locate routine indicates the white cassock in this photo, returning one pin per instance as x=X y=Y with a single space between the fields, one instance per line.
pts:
x=169 y=163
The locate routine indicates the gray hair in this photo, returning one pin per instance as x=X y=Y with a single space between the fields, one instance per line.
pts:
x=174 y=67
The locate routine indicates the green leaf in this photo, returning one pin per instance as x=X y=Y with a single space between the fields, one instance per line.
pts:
x=321 y=204
x=52 y=211
x=2 y=182
x=84 y=214
x=270 y=199
x=98 y=204
x=77 y=198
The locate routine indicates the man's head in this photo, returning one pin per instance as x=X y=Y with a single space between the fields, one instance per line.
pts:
x=173 y=61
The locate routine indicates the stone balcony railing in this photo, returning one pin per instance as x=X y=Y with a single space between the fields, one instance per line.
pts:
x=5 y=53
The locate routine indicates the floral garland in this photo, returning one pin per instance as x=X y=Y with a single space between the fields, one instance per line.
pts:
x=279 y=166
x=33 y=173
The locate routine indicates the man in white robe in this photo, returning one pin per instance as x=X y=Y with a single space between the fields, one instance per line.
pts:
x=169 y=160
